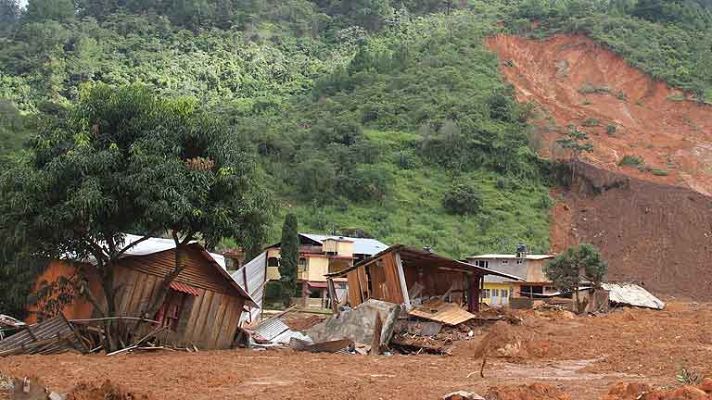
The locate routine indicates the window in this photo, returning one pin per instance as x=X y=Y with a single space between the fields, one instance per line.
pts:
x=273 y=262
x=505 y=261
x=530 y=290
x=495 y=293
x=505 y=293
x=520 y=261
x=302 y=264
x=482 y=263
x=485 y=294
x=169 y=313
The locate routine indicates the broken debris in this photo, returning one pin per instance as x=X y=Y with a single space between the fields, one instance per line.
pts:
x=358 y=323
x=440 y=311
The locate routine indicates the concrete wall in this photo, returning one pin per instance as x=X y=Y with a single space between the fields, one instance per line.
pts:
x=316 y=268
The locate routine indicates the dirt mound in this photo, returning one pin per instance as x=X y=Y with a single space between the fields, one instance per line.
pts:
x=535 y=391
x=642 y=391
x=626 y=113
x=107 y=391
x=657 y=235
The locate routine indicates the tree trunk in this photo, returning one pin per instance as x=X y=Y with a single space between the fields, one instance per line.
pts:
x=577 y=300
x=111 y=339
x=160 y=296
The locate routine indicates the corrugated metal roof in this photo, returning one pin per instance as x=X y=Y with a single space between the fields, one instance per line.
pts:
x=251 y=277
x=54 y=335
x=633 y=295
x=271 y=328
x=183 y=288
x=361 y=245
x=511 y=256
x=411 y=254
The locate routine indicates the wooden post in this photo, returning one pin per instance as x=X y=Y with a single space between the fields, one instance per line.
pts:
x=376 y=342
x=332 y=295
x=403 y=285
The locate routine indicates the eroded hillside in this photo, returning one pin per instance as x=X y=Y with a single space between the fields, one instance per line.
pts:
x=575 y=80
x=650 y=215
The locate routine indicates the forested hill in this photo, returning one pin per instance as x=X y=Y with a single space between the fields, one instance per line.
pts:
x=380 y=117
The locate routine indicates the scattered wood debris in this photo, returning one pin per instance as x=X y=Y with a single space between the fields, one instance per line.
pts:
x=55 y=335
x=440 y=311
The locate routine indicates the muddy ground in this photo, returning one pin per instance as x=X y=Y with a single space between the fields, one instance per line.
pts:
x=582 y=356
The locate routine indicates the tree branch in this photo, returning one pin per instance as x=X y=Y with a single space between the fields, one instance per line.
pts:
x=125 y=249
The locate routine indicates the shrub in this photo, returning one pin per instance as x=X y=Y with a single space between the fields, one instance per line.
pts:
x=590 y=122
x=592 y=89
x=365 y=183
x=462 y=199
x=611 y=129
x=659 y=172
x=631 y=161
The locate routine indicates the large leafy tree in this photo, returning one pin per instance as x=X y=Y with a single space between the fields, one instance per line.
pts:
x=574 y=266
x=289 y=257
x=9 y=13
x=58 y=10
x=128 y=161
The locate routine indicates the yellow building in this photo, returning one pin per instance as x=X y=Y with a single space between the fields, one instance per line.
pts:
x=529 y=268
x=320 y=255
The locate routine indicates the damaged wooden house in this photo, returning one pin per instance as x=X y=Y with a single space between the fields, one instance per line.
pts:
x=428 y=285
x=203 y=305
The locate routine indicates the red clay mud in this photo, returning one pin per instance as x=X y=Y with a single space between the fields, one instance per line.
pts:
x=578 y=81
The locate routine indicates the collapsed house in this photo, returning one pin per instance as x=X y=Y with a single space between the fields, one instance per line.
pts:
x=318 y=255
x=428 y=285
x=203 y=305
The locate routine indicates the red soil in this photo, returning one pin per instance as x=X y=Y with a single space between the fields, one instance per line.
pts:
x=657 y=235
x=654 y=230
x=582 y=356
x=675 y=136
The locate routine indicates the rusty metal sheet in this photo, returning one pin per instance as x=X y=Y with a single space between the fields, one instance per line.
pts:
x=51 y=336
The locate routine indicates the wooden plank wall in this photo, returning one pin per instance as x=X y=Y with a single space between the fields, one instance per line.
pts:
x=354 y=288
x=196 y=273
x=384 y=281
x=209 y=320
x=394 y=293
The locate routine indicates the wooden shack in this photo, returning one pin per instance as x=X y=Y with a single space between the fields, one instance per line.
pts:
x=403 y=275
x=203 y=305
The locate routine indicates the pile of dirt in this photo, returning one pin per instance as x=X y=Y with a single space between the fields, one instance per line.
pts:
x=642 y=391
x=534 y=391
x=626 y=113
x=106 y=391
x=657 y=235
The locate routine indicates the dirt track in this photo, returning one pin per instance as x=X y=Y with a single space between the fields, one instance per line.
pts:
x=583 y=356
x=577 y=81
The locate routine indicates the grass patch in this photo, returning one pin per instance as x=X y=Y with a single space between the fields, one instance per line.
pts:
x=659 y=172
x=631 y=161
x=676 y=97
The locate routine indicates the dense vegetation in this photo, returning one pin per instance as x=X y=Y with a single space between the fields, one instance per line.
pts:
x=383 y=117
x=669 y=39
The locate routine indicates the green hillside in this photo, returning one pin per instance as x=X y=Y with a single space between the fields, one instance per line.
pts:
x=381 y=117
